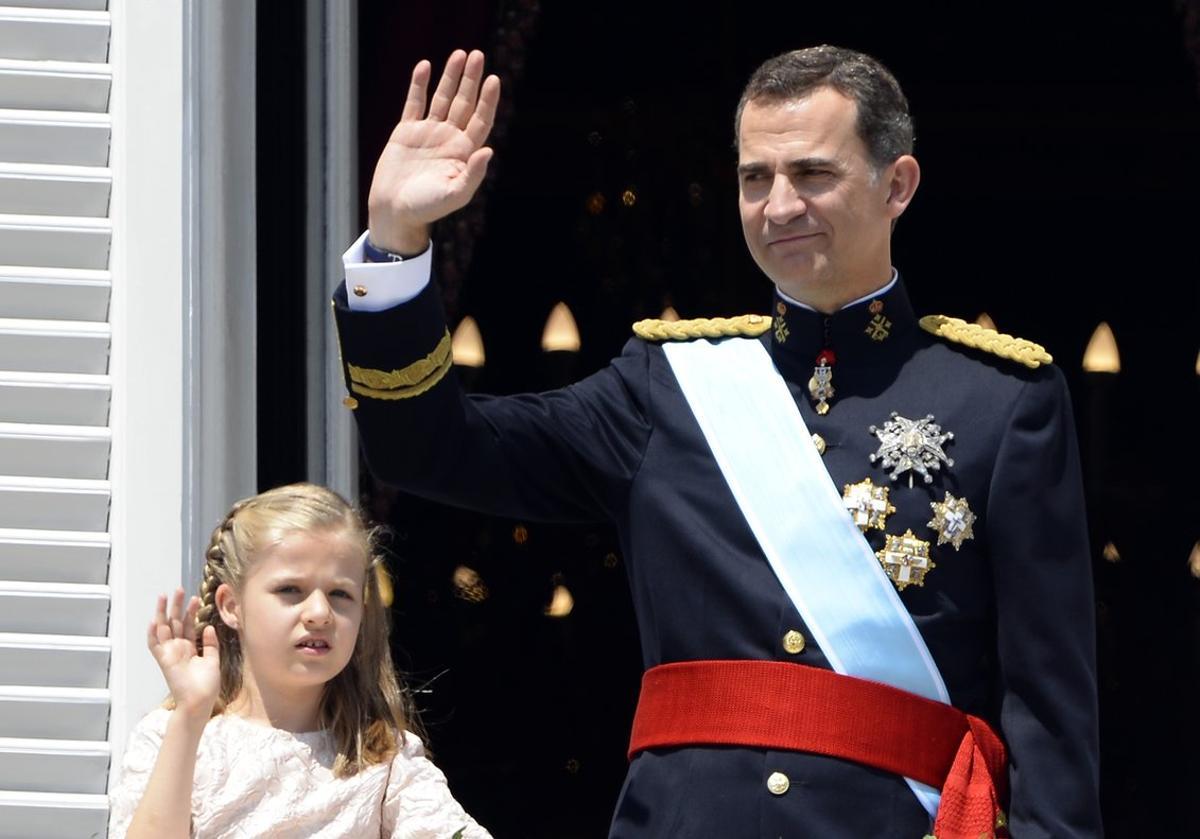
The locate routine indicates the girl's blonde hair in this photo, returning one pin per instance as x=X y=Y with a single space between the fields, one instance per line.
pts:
x=364 y=706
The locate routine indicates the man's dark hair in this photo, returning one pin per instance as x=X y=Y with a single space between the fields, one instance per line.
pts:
x=884 y=123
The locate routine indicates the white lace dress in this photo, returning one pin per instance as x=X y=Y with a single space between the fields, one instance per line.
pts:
x=254 y=781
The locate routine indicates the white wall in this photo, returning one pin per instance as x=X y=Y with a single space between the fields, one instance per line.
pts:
x=148 y=157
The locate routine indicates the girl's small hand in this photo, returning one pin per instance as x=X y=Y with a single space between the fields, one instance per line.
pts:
x=194 y=680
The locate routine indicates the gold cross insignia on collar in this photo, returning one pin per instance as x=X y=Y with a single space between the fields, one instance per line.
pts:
x=781 y=329
x=879 y=328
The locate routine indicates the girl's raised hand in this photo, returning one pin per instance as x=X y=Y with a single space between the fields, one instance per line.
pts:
x=193 y=679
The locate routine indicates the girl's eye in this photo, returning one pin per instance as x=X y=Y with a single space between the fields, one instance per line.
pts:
x=287 y=590
x=339 y=592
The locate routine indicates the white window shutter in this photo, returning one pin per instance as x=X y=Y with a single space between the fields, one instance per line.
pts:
x=55 y=436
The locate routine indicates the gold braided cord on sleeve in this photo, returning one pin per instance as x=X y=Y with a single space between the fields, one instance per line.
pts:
x=405 y=392
x=746 y=326
x=981 y=338
x=414 y=374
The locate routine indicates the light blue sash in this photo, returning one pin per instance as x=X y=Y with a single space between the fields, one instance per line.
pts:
x=824 y=563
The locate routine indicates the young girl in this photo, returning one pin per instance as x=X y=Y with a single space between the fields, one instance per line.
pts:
x=285 y=716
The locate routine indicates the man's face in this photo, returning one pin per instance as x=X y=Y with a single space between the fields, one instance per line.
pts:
x=816 y=213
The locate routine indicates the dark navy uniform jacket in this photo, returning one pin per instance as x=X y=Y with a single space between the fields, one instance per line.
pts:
x=1008 y=618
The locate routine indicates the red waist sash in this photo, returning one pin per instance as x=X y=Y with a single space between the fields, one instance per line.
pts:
x=779 y=705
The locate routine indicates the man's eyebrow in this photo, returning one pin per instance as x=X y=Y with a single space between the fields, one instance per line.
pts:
x=812 y=163
x=800 y=164
x=752 y=168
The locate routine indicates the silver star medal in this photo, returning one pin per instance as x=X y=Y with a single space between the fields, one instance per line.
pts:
x=911 y=446
x=952 y=519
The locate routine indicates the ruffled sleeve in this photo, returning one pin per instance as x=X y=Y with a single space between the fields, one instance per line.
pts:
x=141 y=752
x=417 y=802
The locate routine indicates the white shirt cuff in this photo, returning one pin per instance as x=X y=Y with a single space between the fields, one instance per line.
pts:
x=374 y=286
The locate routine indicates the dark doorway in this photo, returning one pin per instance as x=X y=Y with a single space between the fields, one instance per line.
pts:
x=281 y=183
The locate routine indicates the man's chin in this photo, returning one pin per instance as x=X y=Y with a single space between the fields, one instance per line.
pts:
x=800 y=288
x=798 y=269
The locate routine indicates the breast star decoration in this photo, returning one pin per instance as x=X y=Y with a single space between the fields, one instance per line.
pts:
x=906 y=560
x=952 y=519
x=911 y=446
x=867 y=504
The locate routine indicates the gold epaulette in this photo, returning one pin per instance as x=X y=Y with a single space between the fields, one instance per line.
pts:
x=407 y=382
x=989 y=340
x=744 y=326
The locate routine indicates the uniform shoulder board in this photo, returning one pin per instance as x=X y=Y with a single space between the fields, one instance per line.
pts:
x=743 y=326
x=989 y=340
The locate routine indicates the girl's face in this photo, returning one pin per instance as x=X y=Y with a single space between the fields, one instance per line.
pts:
x=299 y=610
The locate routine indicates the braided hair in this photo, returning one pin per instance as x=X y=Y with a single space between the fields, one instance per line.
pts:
x=364 y=706
x=217 y=571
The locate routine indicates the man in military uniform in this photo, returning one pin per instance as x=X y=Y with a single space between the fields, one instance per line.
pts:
x=855 y=538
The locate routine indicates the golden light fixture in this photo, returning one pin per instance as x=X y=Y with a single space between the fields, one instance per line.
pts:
x=669 y=314
x=1101 y=355
x=467 y=344
x=560 y=332
x=629 y=197
x=1110 y=553
x=383 y=579
x=561 y=603
x=468 y=585
x=1198 y=364
x=985 y=320
x=1194 y=560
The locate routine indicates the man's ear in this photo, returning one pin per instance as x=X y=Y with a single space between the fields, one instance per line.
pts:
x=228 y=606
x=903 y=177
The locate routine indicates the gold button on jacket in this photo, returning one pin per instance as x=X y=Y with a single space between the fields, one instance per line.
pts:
x=778 y=783
x=793 y=642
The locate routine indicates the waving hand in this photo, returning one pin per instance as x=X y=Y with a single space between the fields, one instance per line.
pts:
x=193 y=679
x=435 y=159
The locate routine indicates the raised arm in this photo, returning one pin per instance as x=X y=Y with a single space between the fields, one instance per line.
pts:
x=194 y=679
x=569 y=455
x=435 y=159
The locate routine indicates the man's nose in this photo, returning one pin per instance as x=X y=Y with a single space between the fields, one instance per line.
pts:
x=317 y=609
x=784 y=203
